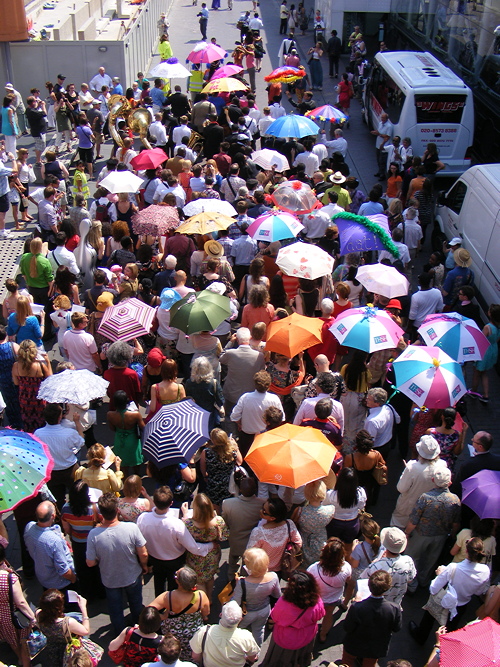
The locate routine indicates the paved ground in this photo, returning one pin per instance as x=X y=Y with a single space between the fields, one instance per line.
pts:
x=361 y=159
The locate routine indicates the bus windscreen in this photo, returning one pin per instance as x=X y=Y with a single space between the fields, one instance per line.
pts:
x=439 y=108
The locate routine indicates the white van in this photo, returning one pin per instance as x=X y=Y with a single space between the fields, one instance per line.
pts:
x=426 y=102
x=471 y=210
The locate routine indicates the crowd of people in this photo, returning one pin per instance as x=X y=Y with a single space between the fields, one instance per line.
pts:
x=170 y=523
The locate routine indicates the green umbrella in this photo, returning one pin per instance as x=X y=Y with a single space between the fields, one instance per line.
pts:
x=199 y=311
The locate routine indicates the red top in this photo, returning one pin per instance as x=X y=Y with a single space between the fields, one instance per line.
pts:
x=337 y=308
x=72 y=242
x=329 y=345
x=124 y=379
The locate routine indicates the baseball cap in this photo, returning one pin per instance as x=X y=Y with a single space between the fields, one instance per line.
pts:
x=9 y=86
x=455 y=241
x=60 y=76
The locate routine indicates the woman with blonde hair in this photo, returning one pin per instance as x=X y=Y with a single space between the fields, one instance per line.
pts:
x=37 y=272
x=130 y=506
x=95 y=475
x=205 y=526
x=217 y=463
x=125 y=209
x=95 y=238
x=61 y=319
x=28 y=373
x=129 y=286
x=312 y=519
x=23 y=325
x=255 y=590
x=211 y=169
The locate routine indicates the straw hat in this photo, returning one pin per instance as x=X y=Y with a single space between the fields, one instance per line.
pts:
x=213 y=249
x=462 y=257
x=338 y=178
x=104 y=301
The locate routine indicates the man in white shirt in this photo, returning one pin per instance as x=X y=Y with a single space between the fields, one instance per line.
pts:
x=337 y=145
x=248 y=412
x=232 y=183
x=332 y=208
x=255 y=24
x=181 y=131
x=171 y=185
x=404 y=253
x=412 y=231
x=85 y=98
x=64 y=444
x=157 y=131
x=101 y=79
x=320 y=150
x=275 y=109
x=264 y=123
x=308 y=159
x=393 y=151
x=380 y=420
x=80 y=346
x=167 y=540
x=326 y=385
x=406 y=151
x=425 y=301
x=61 y=256
x=315 y=223
x=384 y=132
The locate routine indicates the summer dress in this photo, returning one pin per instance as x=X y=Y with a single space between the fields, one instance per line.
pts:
x=218 y=475
x=183 y=625
x=206 y=566
x=312 y=527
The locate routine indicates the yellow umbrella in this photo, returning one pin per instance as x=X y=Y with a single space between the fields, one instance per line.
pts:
x=205 y=223
x=225 y=85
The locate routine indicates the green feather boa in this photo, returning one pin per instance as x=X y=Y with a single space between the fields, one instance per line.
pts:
x=372 y=227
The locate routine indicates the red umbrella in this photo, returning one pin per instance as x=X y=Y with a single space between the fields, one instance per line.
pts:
x=156 y=220
x=476 y=645
x=149 y=159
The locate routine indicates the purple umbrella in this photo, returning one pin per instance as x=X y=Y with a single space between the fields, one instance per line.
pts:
x=360 y=234
x=481 y=493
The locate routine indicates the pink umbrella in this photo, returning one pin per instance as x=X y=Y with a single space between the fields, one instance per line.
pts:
x=227 y=70
x=155 y=220
x=206 y=53
x=477 y=644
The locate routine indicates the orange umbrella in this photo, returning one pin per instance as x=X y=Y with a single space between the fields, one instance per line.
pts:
x=291 y=455
x=293 y=334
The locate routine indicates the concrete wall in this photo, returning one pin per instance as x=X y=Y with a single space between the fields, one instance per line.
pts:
x=141 y=41
x=333 y=12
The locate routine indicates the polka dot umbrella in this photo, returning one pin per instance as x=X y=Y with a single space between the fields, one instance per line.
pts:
x=25 y=465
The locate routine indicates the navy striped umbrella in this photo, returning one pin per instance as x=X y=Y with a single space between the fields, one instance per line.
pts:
x=175 y=433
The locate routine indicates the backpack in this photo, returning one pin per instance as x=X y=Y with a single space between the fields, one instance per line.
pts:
x=102 y=212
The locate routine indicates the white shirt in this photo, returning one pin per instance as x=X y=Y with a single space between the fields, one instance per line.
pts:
x=264 y=124
x=332 y=209
x=320 y=151
x=468 y=579
x=412 y=233
x=157 y=131
x=63 y=444
x=309 y=160
x=379 y=424
x=61 y=256
x=384 y=128
x=178 y=133
x=404 y=254
x=393 y=155
x=85 y=100
x=163 y=189
x=276 y=110
x=255 y=24
x=315 y=223
x=80 y=346
x=255 y=114
x=346 y=513
x=99 y=81
x=306 y=410
x=250 y=410
x=167 y=537
x=424 y=303
x=335 y=146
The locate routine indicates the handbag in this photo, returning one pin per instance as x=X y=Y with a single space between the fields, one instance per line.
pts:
x=36 y=642
x=75 y=644
x=19 y=620
x=435 y=606
x=292 y=557
x=379 y=473
x=227 y=592
x=118 y=654
x=31 y=174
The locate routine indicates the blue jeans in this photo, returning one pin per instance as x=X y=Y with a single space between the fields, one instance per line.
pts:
x=133 y=593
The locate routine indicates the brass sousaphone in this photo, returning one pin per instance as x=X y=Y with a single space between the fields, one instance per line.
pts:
x=138 y=120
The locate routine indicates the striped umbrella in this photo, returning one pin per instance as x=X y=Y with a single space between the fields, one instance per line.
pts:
x=367 y=329
x=327 y=112
x=25 y=465
x=274 y=226
x=175 y=433
x=429 y=377
x=457 y=335
x=127 y=320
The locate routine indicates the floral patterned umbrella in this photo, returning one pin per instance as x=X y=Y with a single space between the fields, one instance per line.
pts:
x=155 y=220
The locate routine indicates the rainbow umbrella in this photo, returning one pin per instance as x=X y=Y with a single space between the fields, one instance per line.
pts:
x=206 y=53
x=274 y=226
x=285 y=75
x=226 y=70
x=429 y=376
x=367 y=328
x=25 y=465
x=457 y=335
x=327 y=112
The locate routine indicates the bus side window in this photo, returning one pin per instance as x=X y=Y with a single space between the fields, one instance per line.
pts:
x=456 y=197
x=391 y=98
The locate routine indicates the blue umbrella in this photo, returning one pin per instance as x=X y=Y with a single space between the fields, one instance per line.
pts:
x=25 y=466
x=292 y=126
x=175 y=433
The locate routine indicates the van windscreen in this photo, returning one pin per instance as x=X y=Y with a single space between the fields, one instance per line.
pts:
x=440 y=108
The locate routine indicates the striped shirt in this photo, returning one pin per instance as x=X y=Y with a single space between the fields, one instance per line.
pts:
x=80 y=526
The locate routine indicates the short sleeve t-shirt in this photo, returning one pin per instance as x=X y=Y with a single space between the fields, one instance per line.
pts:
x=116 y=550
x=331 y=588
x=80 y=347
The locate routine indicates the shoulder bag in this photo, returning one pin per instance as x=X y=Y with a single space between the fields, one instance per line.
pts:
x=379 y=473
x=118 y=654
x=292 y=556
x=74 y=644
x=441 y=603
x=18 y=618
